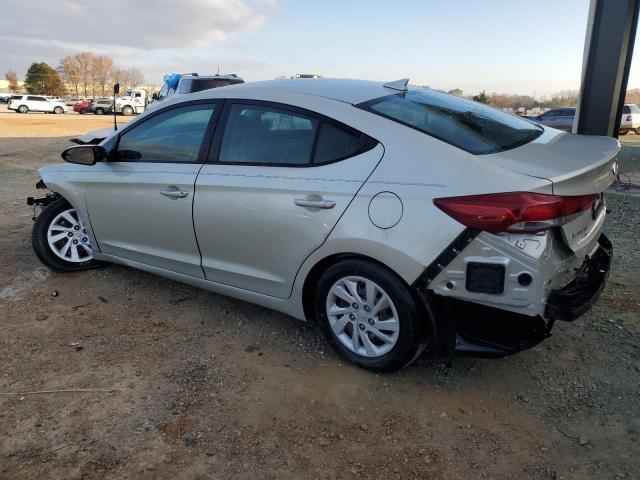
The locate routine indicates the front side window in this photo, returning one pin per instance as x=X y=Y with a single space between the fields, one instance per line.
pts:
x=258 y=134
x=172 y=136
x=468 y=125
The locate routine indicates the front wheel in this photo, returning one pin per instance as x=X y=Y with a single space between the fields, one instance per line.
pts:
x=622 y=131
x=83 y=111
x=369 y=316
x=58 y=110
x=126 y=111
x=638 y=131
x=23 y=109
x=60 y=239
x=99 y=111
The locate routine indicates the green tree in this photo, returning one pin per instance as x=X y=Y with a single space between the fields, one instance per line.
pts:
x=43 y=80
x=482 y=97
x=456 y=91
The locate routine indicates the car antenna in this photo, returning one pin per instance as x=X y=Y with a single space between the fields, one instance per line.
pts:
x=398 y=85
x=116 y=90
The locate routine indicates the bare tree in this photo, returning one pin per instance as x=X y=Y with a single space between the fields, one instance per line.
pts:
x=101 y=71
x=70 y=72
x=83 y=62
x=12 y=78
x=136 y=78
x=121 y=76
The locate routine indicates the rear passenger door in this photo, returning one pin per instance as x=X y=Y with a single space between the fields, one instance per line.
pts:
x=277 y=181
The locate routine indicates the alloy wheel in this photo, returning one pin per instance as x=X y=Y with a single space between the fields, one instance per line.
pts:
x=362 y=316
x=68 y=239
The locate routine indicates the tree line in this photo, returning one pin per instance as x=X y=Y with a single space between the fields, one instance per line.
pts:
x=83 y=74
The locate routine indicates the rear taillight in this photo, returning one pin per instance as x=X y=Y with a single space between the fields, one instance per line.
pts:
x=517 y=212
x=628 y=118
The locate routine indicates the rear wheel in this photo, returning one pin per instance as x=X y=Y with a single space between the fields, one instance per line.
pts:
x=99 y=111
x=83 y=111
x=127 y=110
x=60 y=239
x=369 y=315
x=622 y=131
x=23 y=109
x=58 y=110
x=638 y=131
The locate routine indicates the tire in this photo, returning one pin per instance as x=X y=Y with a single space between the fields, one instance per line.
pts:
x=58 y=110
x=83 y=111
x=23 y=109
x=49 y=224
x=638 y=131
x=622 y=131
x=99 y=111
x=127 y=110
x=405 y=340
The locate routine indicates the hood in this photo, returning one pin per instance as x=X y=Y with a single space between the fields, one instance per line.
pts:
x=94 y=137
x=575 y=164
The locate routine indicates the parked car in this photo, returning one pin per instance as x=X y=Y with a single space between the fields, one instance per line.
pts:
x=5 y=97
x=83 y=107
x=101 y=106
x=182 y=84
x=630 y=119
x=398 y=218
x=560 y=118
x=70 y=102
x=36 y=103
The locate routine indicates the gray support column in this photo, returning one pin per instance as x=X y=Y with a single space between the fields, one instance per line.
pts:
x=611 y=32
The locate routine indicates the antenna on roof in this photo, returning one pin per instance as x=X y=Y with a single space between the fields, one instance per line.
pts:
x=400 y=85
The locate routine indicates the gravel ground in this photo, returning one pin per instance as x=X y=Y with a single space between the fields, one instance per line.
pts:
x=204 y=386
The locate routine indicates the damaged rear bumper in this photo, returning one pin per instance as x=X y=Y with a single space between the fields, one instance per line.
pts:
x=470 y=327
x=576 y=298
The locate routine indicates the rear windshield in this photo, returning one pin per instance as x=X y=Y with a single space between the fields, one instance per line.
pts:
x=468 y=125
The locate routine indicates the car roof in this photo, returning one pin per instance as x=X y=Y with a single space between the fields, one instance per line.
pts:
x=343 y=90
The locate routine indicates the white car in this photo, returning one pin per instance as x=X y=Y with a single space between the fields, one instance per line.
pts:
x=396 y=217
x=36 y=103
x=630 y=120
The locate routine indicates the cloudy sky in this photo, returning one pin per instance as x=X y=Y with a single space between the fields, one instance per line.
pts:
x=518 y=46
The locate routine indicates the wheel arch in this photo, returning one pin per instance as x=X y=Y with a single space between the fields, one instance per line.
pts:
x=321 y=265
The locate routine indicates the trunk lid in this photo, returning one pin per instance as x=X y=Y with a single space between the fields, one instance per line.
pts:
x=574 y=164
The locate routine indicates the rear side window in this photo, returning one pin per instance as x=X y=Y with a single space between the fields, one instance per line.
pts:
x=172 y=136
x=631 y=109
x=36 y=99
x=336 y=143
x=471 y=126
x=266 y=135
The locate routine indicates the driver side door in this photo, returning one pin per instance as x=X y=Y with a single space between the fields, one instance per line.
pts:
x=140 y=202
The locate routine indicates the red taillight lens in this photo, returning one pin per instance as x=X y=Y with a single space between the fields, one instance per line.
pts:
x=513 y=211
x=628 y=118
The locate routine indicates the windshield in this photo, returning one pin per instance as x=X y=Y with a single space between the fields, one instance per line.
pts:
x=471 y=126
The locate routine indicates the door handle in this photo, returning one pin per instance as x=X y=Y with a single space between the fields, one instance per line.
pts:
x=303 y=202
x=174 y=193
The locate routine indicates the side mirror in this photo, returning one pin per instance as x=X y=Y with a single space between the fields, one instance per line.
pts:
x=155 y=96
x=84 y=154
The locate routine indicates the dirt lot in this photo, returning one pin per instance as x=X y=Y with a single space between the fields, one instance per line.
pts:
x=209 y=387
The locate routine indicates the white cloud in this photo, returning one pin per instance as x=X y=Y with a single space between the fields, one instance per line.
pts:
x=142 y=24
x=156 y=36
